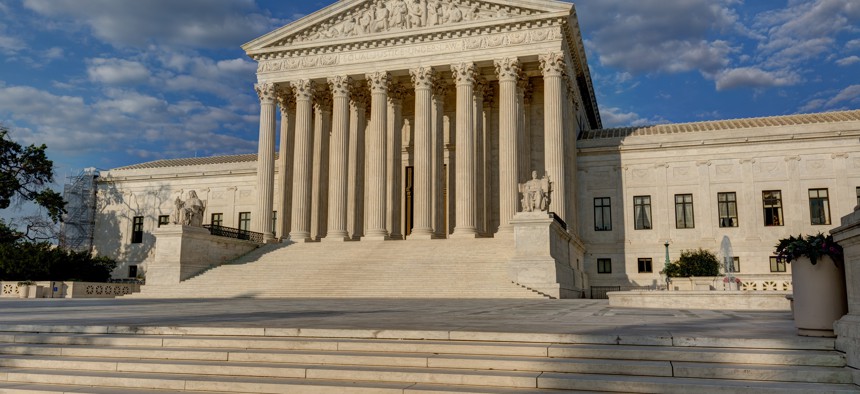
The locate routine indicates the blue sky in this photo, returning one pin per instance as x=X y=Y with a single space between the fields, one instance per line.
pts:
x=107 y=83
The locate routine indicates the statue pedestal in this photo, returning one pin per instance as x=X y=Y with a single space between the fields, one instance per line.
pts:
x=847 y=328
x=184 y=251
x=543 y=257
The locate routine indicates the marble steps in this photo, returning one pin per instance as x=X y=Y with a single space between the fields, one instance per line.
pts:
x=393 y=269
x=243 y=361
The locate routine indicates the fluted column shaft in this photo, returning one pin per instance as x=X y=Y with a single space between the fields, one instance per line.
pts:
x=464 y=75
x=438 y=110
x=552 y=67
x=375 y=175
x=319 y=193
x=265 y=161
x=287 y=104
x=478 y=117
x=422 y=227
x=301 y=212
x=524 y=153
x=394 y=185
x=508 y=71
x=338 y=155
x=355 y=190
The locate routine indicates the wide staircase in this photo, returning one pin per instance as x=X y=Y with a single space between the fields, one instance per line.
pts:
x=256 y=360
x=451 y=268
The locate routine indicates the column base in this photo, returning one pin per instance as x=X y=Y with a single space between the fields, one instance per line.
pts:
x=336 y=238
x=374 y=238
x=420 y=236
x=301 y=237
x=465 y=233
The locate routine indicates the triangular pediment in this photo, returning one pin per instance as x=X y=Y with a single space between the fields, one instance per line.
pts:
x=361 y=19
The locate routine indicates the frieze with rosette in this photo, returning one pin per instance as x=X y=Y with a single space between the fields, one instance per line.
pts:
x=299 y=61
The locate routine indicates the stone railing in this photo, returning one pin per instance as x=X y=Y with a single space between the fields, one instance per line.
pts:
x=234 y=233
x=53 y=289
x=749 y=282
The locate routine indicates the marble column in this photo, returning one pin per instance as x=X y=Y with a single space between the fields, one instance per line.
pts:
x=319 y=193
x=338 y=159
x=553 y=68
x=394 y=185
x=478 y=122
x=523 y=128
x=422 y=227
x=376 y=155
x=265 y=161
x=300 y=230
x=355 y=193
x=440 y=90
x=287 y=104
x=508 y=71
x=464 y=76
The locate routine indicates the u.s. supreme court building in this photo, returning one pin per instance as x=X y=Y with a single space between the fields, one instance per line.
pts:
x=395 y=134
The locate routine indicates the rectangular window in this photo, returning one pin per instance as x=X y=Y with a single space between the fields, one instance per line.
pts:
x=645 y=265
x=604 y=266
x=727 y=204
x=642 y=212
x=137 y=230
x=217 y=219
x=163 y=220
x=132 y=271
x=245 y=221
x=772 y=203
x=684 y=211
x=274 y=221
x=819 y=206
x=776 y=265
x=602 y=214
x=858 y=196
x=736 y=264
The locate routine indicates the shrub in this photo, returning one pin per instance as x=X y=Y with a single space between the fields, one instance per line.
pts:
x=699 y=262
x=43 y=261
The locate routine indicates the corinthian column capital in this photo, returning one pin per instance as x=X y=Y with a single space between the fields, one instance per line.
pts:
x=464 y=73
x=340 y=85
x=378 y=81
x=323 y=100
x=267 y=92
x=304 y=89
x=552 y=64
x=508 y=69
x=359 y=96
x=286 y=98
x=423 y=77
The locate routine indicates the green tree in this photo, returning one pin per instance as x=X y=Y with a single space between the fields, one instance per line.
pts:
x=25 y=175
x=699 y=262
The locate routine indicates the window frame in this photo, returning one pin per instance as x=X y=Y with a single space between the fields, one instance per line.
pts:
x=726 y=206
x=604 y=266
x=244 y=221
x=163 y=220
x=648 y=265
x=274 y=222
x=777 y=207
x=137 y=230
x=690 y=222
x=736 y=264
x=605 y=213
x=824 y=207
x=642 y=204
x=219 y=222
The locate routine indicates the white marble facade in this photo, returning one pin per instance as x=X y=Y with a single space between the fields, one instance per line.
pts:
x=417 y=119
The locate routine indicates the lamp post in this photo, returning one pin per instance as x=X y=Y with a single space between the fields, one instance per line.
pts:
x=668 y=279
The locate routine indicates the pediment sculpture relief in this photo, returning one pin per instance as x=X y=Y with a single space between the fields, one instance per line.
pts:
x=382 y=16
x=535 y=194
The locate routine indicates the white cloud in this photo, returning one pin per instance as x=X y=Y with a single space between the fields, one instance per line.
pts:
x=116 y=71
x=847 y=61
x=754 y=77
x=852 y=45
x=617 y=117
x=186 y=23
x=9 y=44
x=53 y=53
x=850 y=94
x=828 y=101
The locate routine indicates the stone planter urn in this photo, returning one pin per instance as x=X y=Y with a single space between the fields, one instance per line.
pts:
x=23 y=291
x=819 y=296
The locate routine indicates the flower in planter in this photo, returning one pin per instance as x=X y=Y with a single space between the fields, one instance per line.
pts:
x=726 y=279
x=812 y=247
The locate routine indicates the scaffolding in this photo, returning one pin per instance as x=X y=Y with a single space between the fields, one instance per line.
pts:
x=78 y=226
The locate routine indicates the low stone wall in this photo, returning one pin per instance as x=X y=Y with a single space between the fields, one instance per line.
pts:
x=182 y=252
x=49 y=289
x=713 y=300
x=751 y=282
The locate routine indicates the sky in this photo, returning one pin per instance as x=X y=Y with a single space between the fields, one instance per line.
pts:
x=108 y=83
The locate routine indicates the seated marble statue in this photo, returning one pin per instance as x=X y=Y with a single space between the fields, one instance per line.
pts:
x=535 y=194
x=190 y=211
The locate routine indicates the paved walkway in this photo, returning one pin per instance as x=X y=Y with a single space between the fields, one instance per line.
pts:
x=533 y=316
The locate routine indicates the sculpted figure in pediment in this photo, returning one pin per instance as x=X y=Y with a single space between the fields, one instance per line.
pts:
x=452 y=14
x=434 y=12
x=416 y=14
x=381 y=15
x=399 y=13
